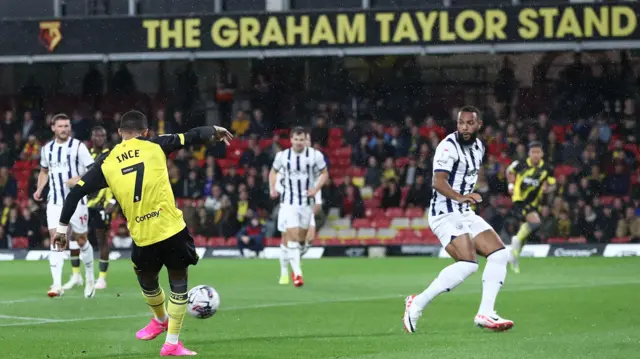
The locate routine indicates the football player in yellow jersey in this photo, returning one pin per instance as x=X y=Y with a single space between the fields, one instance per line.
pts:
x=136 y=172
x=101 y=205
x=527 y=183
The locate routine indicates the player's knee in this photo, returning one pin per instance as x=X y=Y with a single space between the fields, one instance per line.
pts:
x=148 y=283
x=178 y=285
x=501 y=256
x=465 y=269
x=534 y=225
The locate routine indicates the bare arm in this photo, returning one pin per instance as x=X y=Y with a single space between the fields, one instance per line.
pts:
x=322 y=180
x=511 y=175
x=43 y=179
x=441 y=184
x=72 y=181
x=273 y=177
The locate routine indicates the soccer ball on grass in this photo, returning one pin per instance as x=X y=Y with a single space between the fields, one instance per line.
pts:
x=203 y=302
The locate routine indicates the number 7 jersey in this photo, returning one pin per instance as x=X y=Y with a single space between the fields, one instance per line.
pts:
x=136 y=172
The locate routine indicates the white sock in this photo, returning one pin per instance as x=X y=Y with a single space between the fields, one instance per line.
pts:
x=172 y=339
x=284 y=261
x=86 y=255
x=449 y=278
x=515 y=246
x=492 y=280
x=294 y=256
x=56 y=262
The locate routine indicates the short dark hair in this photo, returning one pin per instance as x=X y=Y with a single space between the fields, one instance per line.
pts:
x=98 y=128
x=471 y=109
x=134 y=121
x=60 y=116
x=535 y=144
x=298 y=130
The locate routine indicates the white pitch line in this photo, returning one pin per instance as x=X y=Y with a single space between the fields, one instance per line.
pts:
x=37 y=321
x=26 y=318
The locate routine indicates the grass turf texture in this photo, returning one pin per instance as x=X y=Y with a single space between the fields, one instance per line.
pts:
x=349 y=308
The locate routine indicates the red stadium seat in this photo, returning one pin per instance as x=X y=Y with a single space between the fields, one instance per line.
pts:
x=402 y=162
x=216 y=242
x=606 y=200
x=272 y=242
x=380 y=222
x=200 y=241
x=414 y=213
x=264 y=143
x=356 y=172
x=343 y=152
x=621 y=240
x=373 y=211
x=373 y=242
x=20 y=242
x=360 y=223
x=577 y=240
x=564 y=170
x=394 y=212
x=556 y=240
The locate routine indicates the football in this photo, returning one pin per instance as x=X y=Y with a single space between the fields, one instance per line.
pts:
x=203 y=302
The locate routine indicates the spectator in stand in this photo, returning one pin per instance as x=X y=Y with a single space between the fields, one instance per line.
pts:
x=29 y=126
x=505 y=86
x=232 y=177
x=15 y=226
x=177 y=182
x=352 y=204
x=553 y=150
x=225 y=218
x=9 y=124
x=587 y=223
x=391 y=195
x=606 y=225
x=572 y=151
x=548 y=224
x=203 y=226
x=6 y=157
x=214 y=200
x=410 y=172
x=240 y=124
x=415 y=140
x=419 y=193
x=8 y=184
x=259 y=127
x=619 y=183
x=226 y=85
x=320 y=132
x=31 y=150
x=629 y=225
x=373 y=174
x=389 y=170
x=245 y=209
x=352 y=133
x=251 y=237
x=360 y=153
x=193 y=185
x=4 y=240
x=122 y=239
x=564 y=224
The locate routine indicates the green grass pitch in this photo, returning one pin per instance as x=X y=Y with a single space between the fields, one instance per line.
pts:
x=350 y=308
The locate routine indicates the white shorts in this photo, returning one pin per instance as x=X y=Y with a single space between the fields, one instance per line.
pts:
x=79 y=220
x=295 y=217
x=451 y=225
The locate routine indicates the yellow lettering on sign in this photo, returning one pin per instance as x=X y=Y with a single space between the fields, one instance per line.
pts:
x=224 y=32
x=495 y=22
x=152 y=29
x=323 y=32
x=294 y=29
x=548 y=14
x=619 y=12
x=476 y=29
x=529 y=28
x=351 y=31
x=445 y=32
x=192 y=33
x=272 y=33
x=405 y=29
x=385 y=18
x=569 y=24
x=249 y=31
x=427 y=22
x=599 y=22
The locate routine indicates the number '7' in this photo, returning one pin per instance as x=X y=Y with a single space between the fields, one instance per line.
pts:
x=138 y=168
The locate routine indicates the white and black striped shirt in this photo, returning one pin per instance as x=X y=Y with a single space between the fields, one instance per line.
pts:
x=299 y=173
x=64 y=161
x=463 y=164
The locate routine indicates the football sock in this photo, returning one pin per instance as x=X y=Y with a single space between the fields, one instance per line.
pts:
x=104 y=266
x=56 y=262
x=284 y=261
x=177 y=308
x=155 y=301
x=75 y=265
x=86 y=255
x=495 y=271
x=294 y=256
x=521 y=237
x=449 y=278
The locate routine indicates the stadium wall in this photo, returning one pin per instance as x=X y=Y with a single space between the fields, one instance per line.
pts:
x=530 y=250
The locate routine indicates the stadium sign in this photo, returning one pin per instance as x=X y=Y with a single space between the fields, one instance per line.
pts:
x=330 y=33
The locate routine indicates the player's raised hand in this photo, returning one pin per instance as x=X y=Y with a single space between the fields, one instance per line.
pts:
x=222 y=134
x=471 y=198
x=59 y=241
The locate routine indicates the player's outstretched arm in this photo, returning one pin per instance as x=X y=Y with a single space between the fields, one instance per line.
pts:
x=197 y=135
x=92 y=181
x=511 y=175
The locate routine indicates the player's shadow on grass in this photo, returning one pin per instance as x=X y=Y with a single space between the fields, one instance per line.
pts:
x=292 y=337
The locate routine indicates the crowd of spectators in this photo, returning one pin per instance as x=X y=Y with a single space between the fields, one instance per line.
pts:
x=387 y=165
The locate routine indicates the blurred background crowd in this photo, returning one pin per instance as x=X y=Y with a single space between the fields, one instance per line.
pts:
x=378 y=133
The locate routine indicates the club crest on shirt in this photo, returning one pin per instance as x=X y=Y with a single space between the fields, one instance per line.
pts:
x=458 y=225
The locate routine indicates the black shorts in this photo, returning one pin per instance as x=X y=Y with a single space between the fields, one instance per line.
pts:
x=175 y=252
x=99 y=219
x=521 y=209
